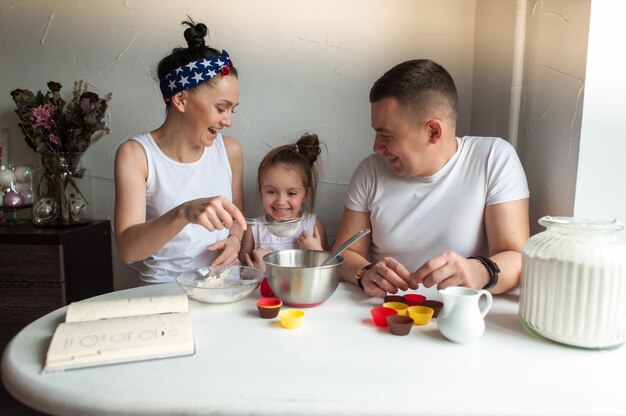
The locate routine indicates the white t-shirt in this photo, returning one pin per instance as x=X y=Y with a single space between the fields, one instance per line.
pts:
x=268 y=241
x=171 y=183
x=415 y=219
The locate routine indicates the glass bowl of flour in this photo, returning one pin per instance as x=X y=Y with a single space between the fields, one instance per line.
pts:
x=220 y=284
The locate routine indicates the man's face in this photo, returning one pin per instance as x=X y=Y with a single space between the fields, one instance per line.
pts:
x=405 y=144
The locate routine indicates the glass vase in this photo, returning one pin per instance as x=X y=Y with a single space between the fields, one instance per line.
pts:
x=61 y=191
x=573 y=287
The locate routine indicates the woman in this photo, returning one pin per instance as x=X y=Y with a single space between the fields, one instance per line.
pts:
x=179 y=188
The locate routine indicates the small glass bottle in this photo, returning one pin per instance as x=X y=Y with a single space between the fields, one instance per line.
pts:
x=573 y=285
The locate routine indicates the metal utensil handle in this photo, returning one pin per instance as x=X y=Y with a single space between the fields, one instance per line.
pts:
x=253 y=221
x=345 y=245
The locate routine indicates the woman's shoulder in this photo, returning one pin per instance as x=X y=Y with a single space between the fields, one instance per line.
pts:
x=231 y=144
x=131 y=148
x=132 y=155
x=233 y=148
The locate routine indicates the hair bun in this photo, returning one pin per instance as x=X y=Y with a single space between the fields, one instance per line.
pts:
x=195 y=34
x=309 y=147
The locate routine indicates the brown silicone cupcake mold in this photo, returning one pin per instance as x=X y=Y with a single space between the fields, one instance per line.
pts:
x=394 y=298
x=399 y=324
x=434 y=304
x=269 y=307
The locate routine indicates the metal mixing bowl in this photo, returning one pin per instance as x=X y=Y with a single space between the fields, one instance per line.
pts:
x=296 y=278
x=220 y=284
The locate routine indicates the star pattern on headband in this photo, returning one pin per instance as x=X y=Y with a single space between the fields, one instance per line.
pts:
x=194 y=73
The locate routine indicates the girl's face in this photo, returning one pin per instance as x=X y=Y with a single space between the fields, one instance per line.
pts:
x=282 y=192
x=210 y=107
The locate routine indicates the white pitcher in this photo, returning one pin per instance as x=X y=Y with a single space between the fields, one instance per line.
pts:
x=461 y=319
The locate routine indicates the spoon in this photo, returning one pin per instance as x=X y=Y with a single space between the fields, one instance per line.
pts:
x=344 y=246
x=280 y=228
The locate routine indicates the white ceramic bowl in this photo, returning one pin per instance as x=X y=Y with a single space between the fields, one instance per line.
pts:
x=221 y=284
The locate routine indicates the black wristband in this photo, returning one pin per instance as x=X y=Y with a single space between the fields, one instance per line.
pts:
x=360 y=283
x=492 y=267
x=361 y=273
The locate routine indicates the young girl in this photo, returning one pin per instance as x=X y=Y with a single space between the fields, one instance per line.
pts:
x=179 y=188
x=287 y=181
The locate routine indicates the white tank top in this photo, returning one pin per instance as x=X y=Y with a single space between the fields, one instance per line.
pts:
x=171 y=183
x=268 y=241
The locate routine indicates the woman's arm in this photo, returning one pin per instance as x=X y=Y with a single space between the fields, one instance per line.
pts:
x=235 y=158
x=136 y=239
x=231 y=246
x=322 y=234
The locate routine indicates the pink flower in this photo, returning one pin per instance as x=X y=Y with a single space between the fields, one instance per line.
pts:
x=42 y=116
x=54 y=138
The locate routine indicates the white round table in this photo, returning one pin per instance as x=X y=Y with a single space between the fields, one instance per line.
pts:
x=337 y=363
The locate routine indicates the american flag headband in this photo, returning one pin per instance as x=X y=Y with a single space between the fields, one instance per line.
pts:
x=194 y=73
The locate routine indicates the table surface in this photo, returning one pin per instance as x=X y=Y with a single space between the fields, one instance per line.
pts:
x=337 y=363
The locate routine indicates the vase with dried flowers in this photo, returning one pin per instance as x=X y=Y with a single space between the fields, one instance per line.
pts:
x=61 y=132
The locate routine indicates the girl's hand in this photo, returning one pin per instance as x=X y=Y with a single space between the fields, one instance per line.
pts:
x=255 y=259
x=230 y=251
x=215 y=213
x=307 y=242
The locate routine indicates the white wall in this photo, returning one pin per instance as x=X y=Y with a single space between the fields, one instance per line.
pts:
x=601 y=185
x=493 y=67
x=554 y=80
x=304 y=66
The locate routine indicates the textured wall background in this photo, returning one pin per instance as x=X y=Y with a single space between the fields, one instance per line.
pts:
x=306 y=66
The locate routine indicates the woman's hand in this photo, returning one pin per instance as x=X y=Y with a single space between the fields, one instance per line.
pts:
x=255 y=259
x=310 y=242
x=387 y=276
x=450 y=269
x=215 y=213
x=230 y=251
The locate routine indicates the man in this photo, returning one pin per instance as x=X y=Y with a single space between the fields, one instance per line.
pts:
x=431 y=199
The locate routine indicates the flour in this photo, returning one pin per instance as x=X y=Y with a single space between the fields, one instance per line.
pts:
x=219 y=282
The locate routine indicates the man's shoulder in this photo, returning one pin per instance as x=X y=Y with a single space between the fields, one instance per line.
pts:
x=372 y=165
x=489 y=147
x=485 y=142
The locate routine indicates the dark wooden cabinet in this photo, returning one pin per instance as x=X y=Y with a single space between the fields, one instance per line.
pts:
x=42 y=269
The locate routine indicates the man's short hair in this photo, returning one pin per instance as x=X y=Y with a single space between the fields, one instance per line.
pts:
x=419 y=85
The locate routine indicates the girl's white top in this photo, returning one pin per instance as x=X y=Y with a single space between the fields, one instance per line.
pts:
x=268 y=241
x=171 y=183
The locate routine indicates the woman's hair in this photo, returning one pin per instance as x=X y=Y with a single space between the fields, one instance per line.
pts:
x=419 y=86
x=196 y=49
x=301 y=155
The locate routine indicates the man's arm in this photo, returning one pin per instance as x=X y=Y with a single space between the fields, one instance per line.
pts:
x=356 y=255
x=507 y=230
x=507 y=226
x=386 y=276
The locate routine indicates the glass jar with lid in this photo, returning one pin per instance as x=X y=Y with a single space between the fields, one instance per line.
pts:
x=573 y=285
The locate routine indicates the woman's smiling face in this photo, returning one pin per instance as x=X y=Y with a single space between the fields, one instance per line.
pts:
x=210 y=107
x=282 y=192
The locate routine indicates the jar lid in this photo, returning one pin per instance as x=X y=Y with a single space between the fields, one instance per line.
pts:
x=581 y=223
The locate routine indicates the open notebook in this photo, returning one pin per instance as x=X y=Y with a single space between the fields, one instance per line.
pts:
x=115 y=331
